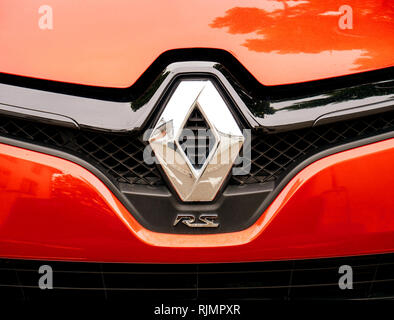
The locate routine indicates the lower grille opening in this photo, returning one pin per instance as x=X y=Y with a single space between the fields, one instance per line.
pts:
x=373 y=278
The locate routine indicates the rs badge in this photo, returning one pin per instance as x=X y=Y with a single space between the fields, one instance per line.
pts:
x=204 y=220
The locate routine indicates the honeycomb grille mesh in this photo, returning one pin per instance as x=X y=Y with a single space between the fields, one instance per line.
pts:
x=273 y=154
x=121 y=155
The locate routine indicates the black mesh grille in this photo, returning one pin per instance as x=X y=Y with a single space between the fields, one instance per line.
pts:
x=121 y=155
x=373 y=277
x=197 y=140
x=273 y=154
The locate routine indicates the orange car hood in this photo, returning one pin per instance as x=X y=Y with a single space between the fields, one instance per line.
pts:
x=112 y=42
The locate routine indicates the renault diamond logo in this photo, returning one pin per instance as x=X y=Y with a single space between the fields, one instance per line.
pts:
x=196 y=140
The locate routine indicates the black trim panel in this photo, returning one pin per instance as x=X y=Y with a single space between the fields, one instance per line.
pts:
x=259 y=109
x=236 y=208
x=68 y=109
x=223 y=57
x=326 y=106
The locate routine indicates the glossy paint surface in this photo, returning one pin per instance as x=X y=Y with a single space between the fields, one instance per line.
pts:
x=51 y=208
x=110 y=43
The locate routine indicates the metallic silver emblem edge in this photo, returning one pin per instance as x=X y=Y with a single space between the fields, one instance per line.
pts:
x=193 y=184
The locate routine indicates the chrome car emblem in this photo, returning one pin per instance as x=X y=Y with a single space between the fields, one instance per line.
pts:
x=205 y=220
x=201 y=181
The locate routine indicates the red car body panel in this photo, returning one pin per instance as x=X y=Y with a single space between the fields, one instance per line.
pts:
x=111 y=43
x=51 y=208
x=54 y=209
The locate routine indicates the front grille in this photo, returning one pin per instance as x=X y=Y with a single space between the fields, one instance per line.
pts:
x=121 y=155
x=373 y=278
x=272 y=155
